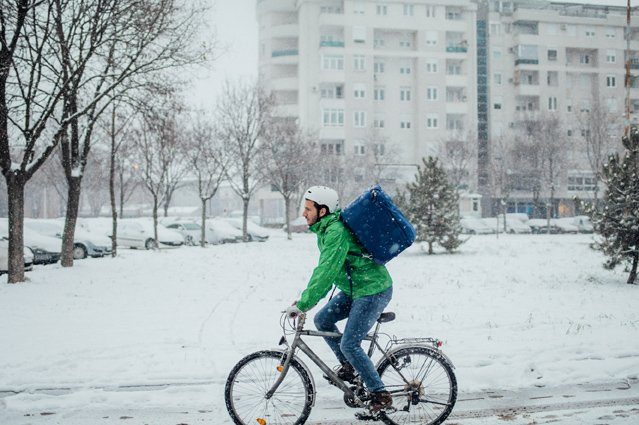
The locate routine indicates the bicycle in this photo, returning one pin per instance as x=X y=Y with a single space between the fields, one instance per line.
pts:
x=275 y=386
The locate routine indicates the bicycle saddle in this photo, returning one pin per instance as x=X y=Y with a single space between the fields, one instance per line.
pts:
x=389 y=316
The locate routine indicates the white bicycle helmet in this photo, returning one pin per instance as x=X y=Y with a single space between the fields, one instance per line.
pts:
x=323 y=195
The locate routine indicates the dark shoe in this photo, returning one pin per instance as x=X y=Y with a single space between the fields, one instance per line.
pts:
x=346 y=372
x=380 y=401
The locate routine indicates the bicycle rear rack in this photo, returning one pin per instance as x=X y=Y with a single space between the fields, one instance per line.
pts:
x=434 y=342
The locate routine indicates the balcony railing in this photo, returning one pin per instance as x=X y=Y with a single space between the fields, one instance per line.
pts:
x=331 y=43
x=634 y=63
x=456 y=48
x=286 y=52
x=526 y=62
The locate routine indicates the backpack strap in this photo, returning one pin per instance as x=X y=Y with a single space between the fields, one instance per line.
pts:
x=347 y=265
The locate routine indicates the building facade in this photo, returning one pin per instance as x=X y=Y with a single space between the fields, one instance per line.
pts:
x=423 y=74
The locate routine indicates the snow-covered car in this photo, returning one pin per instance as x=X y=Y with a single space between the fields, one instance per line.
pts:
x=582 y=222
x=565 y=225
x=4 y=257
x=255 y=232
x=513 y=225
x=46 y=250
x=220 y=231
x=540 y=225
x=192 y=232
x=138 y=233
x=476 y=226
x=85 y=243
x=523 y=217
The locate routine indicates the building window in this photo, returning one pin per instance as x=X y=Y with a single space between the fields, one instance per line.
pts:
x=584 y=58
x=581 y=182
x=552 y=78
x=552 y=54
x=333 y=62
x=430 y=11
x=359 y=91
x=552 y=103
x=404 y=94
x=611 y=56
x=359 y=63
x=359 y=8
x=405 y=43
x=382 y=9
x=379 y=93
x=359 y=119
x=359 y=34
x=409 y=9
x=360 y=149
x=431 y=93
x=431 y=38
x=379 y=149
x=495 y=29
x=404 y=69
x=612 y=105
x=568 y=105
x=496 y=54
x=332 y=147
x=404 y=124
x=497 y=105
x=333 y=117
x=569 y=133
x=497 y=78
x=590 y=32
x=332 y=92
x=431 y=66
x=378 y=67
x=611 y=81
x=432 y=121
x=611 y=32
x=378 y=122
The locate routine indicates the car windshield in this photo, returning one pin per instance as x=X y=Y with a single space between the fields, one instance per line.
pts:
x=191 y=226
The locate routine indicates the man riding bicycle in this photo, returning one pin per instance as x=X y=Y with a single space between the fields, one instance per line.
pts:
x=365 y=290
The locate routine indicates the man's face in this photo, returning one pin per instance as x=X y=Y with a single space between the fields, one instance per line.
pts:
x=310 y=212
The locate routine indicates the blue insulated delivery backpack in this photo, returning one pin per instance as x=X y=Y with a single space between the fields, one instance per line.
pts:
x=380 y=227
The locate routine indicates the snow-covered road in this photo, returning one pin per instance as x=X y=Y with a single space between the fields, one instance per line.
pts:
x=515 y=313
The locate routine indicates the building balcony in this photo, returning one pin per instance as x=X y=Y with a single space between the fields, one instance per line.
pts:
x=526 y=62
x=283 y=83
x=456 y=48
x=331 y=43
x=528 y=90
x=284 y=52
x=285 y=31
x=290 y=110
x=456 y=107
x=457 y=80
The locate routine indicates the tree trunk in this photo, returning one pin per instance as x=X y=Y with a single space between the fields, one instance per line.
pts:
x=245 y=204
x=121 y=175
x=633 y=272
x=430 y=248
x=15 y=191
x=203 y=231
x=114 y=211
x=155 y=221
x=287 y=216
x=73 y=205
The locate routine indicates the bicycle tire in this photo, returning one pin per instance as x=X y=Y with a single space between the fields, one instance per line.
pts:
x=436 y=390
x=273 y=411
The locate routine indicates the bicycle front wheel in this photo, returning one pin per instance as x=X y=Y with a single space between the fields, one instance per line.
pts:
x=423 y=386
x=253 y=377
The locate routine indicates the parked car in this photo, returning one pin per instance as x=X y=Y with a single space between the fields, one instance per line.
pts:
x=476 y=226
x=583 y=223
x=523 y=217
x=540 y=225
x=85 y=243
x=46 y=250
x=513 y=225
x=220 y=231
x=192 y=232
x=4 y=257
x=565 y=225
x=138 y=233
x=255 y=232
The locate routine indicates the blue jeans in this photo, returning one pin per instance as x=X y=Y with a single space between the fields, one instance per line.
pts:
x=362 y=314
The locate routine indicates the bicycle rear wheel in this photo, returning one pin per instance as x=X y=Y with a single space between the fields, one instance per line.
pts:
x=428 y=390
x=250 y=380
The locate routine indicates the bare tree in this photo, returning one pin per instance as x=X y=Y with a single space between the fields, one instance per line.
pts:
x=158 y=151
x=208 y=162
x=501 y=167
x=457 y=154
x=243 y=111
x=94 y=183
x=600 y=129
x=286 y=160
x=30 y=95
x=106 y=47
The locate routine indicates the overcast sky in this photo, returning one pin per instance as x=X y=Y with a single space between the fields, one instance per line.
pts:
x=236 y=26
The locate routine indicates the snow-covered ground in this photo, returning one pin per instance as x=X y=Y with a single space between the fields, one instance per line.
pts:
x=514 y=312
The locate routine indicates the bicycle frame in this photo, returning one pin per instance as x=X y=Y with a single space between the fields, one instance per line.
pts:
x=298 y=343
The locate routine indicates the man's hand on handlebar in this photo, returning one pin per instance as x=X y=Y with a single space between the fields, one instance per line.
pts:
x=292 y=312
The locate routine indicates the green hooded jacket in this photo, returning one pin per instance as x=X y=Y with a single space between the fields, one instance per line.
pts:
x=336 y=243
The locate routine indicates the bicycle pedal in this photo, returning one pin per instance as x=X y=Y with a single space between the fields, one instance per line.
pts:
x=367 y=416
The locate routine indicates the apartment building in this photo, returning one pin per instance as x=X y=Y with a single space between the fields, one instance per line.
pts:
x=557 y=58
x=423 y=73
x=401 y=71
